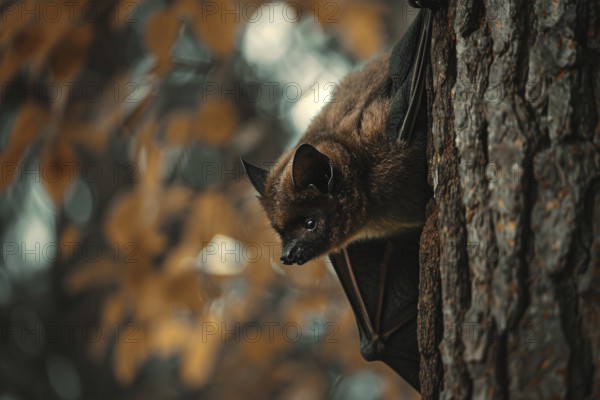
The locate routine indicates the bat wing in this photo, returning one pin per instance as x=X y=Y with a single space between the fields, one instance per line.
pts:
x=381 y=280
x=408 y=64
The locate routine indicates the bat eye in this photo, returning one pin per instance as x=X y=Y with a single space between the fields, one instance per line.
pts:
x=310 y=224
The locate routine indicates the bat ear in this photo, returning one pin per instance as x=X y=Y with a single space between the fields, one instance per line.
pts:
x=257 y=176
x=311 y=169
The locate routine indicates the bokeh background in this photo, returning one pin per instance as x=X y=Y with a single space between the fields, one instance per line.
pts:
x=136 y=262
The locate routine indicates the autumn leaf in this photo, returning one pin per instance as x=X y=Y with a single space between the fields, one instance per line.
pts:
x=130 y=353
x=211 y=213
x=161 y=33
x=133 y=221
x=178 y=129
x=216 y=123
x=59 y=168
x=23 y=46
x=30 y=121
x=69 y=55
x=199 y=358
x=217 y=28
x=361 y=28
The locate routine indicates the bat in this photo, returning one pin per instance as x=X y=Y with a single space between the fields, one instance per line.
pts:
x=355 y=188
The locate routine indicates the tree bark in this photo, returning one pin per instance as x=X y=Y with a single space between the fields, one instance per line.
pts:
x=510 y=254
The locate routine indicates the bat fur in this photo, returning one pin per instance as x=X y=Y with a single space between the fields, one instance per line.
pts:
x=379 y=186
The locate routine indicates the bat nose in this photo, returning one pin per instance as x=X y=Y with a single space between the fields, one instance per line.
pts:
x=287 y=259
x=288 y=254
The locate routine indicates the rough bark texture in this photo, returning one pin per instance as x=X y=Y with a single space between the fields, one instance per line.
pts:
x=511 y=250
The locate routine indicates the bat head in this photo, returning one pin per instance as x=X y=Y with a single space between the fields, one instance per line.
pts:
x=301 y=201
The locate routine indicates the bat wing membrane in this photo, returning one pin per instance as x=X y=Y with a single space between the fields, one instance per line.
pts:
x=407 y=71
x=381 y=281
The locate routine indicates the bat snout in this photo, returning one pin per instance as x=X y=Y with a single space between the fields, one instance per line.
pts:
x=292 y=254
x=287 y=259
x=288 y=254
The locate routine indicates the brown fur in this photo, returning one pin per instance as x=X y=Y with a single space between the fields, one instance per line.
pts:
x=380 y=186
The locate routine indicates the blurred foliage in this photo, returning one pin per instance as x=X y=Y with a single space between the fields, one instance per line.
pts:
x=136 y=261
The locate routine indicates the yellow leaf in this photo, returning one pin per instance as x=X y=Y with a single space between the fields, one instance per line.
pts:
x=132 y=224
x=130 y=353
x=199 y=358
x=361 y=28
x=178 y=129
x=216 y=123
x=161 y=32
x=169 y=337
x=32 y=117
x=212 y=213
x=217 y=28
x=58 y=169
x=69 y=56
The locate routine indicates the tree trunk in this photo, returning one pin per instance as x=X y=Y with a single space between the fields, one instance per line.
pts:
x=510 y=256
